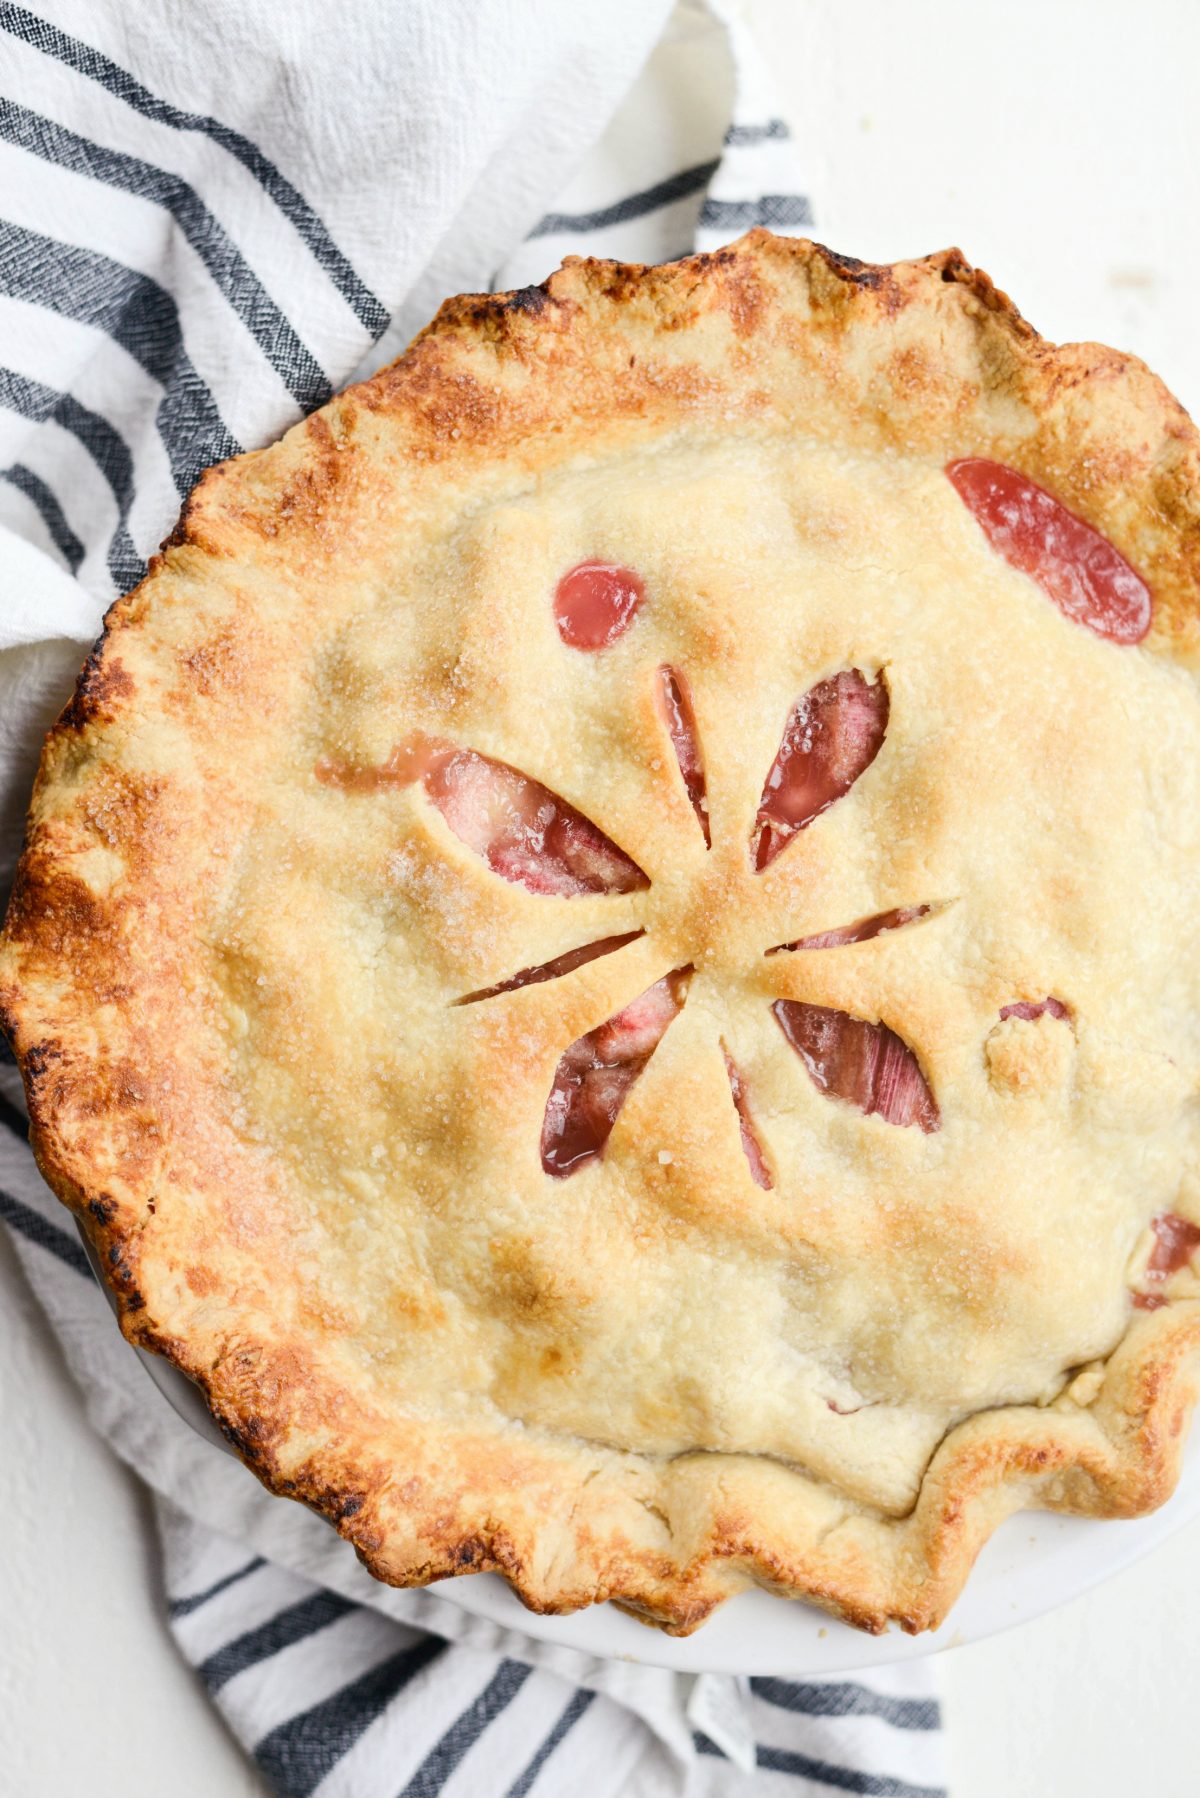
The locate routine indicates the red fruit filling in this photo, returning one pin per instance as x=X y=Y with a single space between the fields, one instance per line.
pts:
x=868 y=1064
x=1087 y=578
x=759 y=1171
x=595 y=1076
x=832 y=735
x=596 y=603
x=524 y=832
x=862 y=932
x=681 y=726
x=1175 y=1242
x=1035 y=1008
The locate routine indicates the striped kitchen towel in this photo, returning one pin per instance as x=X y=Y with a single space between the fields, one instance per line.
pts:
x=209 y=220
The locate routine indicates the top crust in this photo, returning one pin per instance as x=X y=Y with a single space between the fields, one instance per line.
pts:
x=231 y=991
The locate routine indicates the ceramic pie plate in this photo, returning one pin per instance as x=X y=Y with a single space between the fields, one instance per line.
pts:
x=1032 y=1564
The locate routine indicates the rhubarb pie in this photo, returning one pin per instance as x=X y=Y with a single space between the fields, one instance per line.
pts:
x=609 y=946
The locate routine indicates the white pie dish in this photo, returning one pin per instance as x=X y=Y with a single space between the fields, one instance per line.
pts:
x=1033 y=1563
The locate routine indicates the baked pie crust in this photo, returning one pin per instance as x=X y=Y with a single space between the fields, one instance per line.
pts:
x=292 y=966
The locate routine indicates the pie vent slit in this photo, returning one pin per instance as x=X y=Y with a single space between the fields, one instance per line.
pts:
x=597 y=1073
x=523 y=831
x=555 y=969
x=680 y=719
x=832 y=735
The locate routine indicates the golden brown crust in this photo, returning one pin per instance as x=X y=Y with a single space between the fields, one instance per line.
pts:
x=142 y=808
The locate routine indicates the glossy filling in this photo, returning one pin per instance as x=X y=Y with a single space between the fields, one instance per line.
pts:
x=760 y=1173
x=862 y=932
x=1175 y=1242
x=595 y=1076
x=596 y=603
x=1088 y=579
x=867 y=1064
x=553 y=970
x=681 y=726
x=523 y=831
x=832 y=735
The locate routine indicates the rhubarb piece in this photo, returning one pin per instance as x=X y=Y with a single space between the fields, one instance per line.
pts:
x=760 y=1173
x=862 y=932
x=1175 y=1242
x=867 y=1064
x=681 y=726
x=1029 y=1009
x=597 y=1073
x=524 y=832
x=553 y=970
x=832 y=735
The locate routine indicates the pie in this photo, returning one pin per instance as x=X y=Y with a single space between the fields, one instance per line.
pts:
x=608 y=947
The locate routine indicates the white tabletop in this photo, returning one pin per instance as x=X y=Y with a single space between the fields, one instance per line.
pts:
x=1056 y=142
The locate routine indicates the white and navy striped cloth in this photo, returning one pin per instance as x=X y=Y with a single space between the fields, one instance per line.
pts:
x=209 y=219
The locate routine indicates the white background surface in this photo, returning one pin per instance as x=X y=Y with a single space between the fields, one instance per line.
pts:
x=1057 y=143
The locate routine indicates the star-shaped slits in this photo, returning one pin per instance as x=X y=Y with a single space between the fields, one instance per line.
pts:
x=528 y=835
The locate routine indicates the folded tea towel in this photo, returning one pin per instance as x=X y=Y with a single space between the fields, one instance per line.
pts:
x=210 y=218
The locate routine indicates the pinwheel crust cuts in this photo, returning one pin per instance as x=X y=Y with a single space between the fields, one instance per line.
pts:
x=608 y=948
